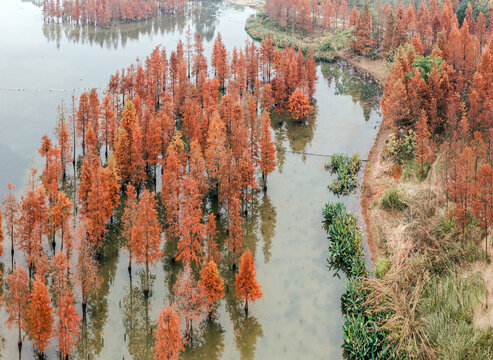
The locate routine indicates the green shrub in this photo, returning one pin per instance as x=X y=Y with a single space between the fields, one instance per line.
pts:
x=363 y=339
x=260 y=26
x=346 y=168
x=422 y=171
x=382 y=266
x=345 y=247
x=353 y=300
x=392 y=200
x=401 y=146
x=331 y=211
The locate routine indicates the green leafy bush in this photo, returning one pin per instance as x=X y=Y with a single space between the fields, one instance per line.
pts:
x=363 y=339
x=353 y=300
x=260 y=26
x=424 y=64
x=410 y=169
x=392 y=200
x=402 y=146
x=345 y=247
x=331 y=211
x=346 y=168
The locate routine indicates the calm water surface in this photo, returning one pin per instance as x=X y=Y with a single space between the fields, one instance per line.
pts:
x=299 y=315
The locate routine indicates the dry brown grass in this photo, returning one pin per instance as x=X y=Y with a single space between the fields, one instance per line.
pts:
x=378 y=69
x=421 y=248
x=399 y=293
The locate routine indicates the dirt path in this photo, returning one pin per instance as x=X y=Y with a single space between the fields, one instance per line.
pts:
x=375 y=180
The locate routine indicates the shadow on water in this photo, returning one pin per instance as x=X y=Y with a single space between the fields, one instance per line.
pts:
x=268 y=216
x=209 y=344
x=298 y=133
x=203 y=17
x=136 y=318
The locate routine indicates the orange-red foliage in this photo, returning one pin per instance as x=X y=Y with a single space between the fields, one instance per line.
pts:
x=212 y=283
x=10 y=213
x=169 y=339
x=67 y=328
x=267 y=149
x=86 y=277
x=145 y=241
x=247 y=287
x=483 y=202
x=190 y=298
x=16 y=299
x=299 y=105
x=39 y=315
x=32 y=221
x=192 y=230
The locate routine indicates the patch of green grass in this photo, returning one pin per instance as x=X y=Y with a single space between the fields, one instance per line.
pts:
x=382 y=266
x=323 y=47
x=391 y=200
x=446 y=310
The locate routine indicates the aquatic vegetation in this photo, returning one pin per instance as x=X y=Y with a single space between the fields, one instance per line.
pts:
x=363 y=338
x=346 y=169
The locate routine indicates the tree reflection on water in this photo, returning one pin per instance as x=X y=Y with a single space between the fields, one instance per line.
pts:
x=202 y=16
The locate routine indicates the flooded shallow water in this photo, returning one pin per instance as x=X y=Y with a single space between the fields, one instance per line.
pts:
x=299 y=315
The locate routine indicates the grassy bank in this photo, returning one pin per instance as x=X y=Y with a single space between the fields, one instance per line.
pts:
x=326 y=45
x=436 y=280
x=260 y=26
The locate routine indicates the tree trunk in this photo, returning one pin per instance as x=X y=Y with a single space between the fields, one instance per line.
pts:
x=146 y=284
x=84 y=308
x=63 y=234
x=155 y=177
x=12 y=241
x=191 y=333
x=19 y=341
x=12 y=248
x=53 y=242
x=246 y=308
